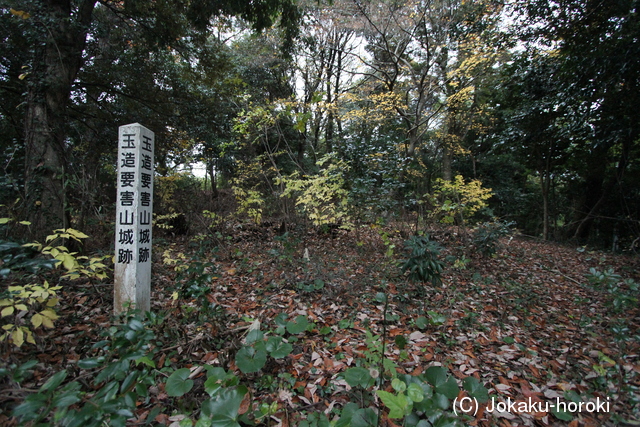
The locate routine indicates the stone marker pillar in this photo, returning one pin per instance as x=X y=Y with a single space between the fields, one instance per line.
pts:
x=134 y=211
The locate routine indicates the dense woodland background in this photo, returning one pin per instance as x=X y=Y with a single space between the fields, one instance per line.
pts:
x=536 y=100
x=404 y=203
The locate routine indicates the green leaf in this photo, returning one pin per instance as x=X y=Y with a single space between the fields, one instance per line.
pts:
x=401 y=341
x=415 y=393
x=366 y=417
x=250 y=359
x=561 y=415
x=146 y=361
x=179 y=383
x=129 y=381
x=398 y=385
x=442 y=382
x=437 y=318
x=381 y=297
x=277 y=348
x=204 y=421
x=475 y=389
x=67 y=399
x=358 y=377
x=31 y=407
x=89 y=363
x=223 y=410
x=572 y=396
x=347 y=414
x=217 y=377
x=254 y=335
x=441 y=401
x=443 y=421
x=398 y=404
x=422 y=322
x=298 y=325
x=53 y=382
x=136 y=325
x=281 y=319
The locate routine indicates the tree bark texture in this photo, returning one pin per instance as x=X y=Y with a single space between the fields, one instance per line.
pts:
x=55 y=66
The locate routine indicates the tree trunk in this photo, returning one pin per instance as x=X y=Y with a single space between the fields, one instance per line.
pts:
x=214 y=182
x=56 y=64
x=447 y=159
x=545 y=181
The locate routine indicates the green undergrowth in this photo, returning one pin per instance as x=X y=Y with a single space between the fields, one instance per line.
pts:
x=199 y=362
x=121 y=375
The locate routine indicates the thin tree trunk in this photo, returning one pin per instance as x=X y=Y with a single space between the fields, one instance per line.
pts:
x=544 y=185
x=447 y=159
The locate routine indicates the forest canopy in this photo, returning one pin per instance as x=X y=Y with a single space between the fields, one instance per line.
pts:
x=335 y=113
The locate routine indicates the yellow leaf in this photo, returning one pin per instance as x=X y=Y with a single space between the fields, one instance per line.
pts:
x=25 y=222
x=5 y=302
x=174 y=296
x=21 y=307
x=18 y=337
x=7 y=327
x=21 y=14
x=7 y=311
x=47 y=323
x=30 y=337
x=36 y=320
x=17 y=289
x=52 y=302
x=4 y=220
x=49 y=313
x=69 y=262
x=76 y=233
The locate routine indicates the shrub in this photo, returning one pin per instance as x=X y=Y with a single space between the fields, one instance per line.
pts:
x=457 y=201
x=486 y=237
x=122 y=373
x=321 y=198
x=423 y=264
x=25 y=307
x=31 y=306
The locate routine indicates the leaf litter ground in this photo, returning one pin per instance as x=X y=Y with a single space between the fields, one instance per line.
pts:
x=524 y=322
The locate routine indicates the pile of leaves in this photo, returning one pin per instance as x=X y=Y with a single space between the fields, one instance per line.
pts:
x=266 y=329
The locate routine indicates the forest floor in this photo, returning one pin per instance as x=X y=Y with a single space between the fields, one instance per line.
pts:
x=525 y=322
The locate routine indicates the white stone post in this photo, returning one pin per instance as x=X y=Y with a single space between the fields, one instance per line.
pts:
x=134 y=212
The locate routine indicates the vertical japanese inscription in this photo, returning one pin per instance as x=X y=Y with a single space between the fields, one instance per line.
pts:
x=134 y=212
